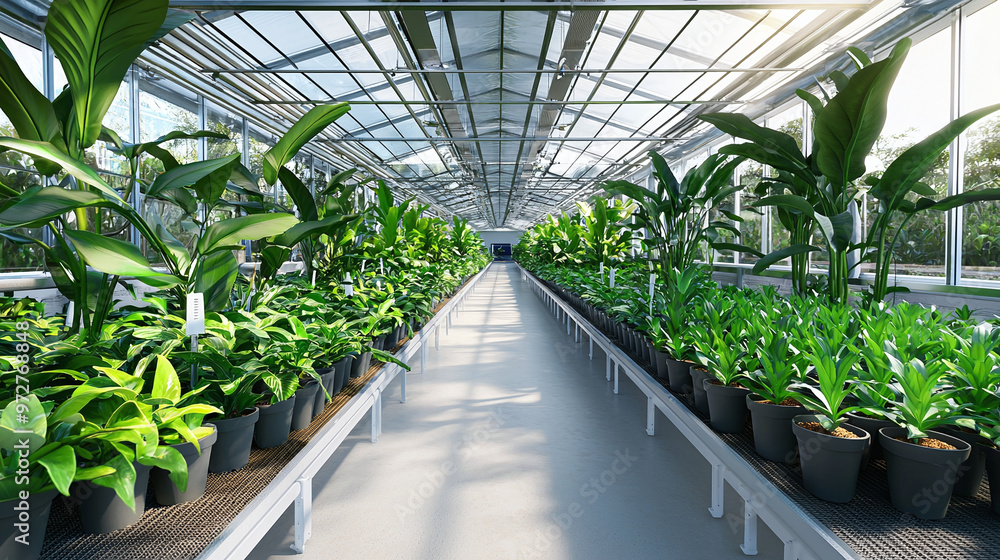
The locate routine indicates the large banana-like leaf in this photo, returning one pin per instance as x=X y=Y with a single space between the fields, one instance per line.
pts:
x=298 y=232
x=311 y=124
x=232 y=231
x=780 y=255
x=117 y=258
x=303 y=199
x=29 y=111
x=96 y=42
x=852 y=121
x=906 y=170
x=134 y=150
x=214 y=277
x=47 y=204
x=189 y=174
x=74 y=167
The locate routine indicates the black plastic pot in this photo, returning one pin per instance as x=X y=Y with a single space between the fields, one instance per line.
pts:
x=232 y=450
x=993 y=474
x=772 y=429
x=698 y=377
x=830 y=464
x=679 y=374
x=342 y=369
x=38 y=506
x=327 y=376
x=970 y=472
x=660 y=364
x=872 y=426
x=921 y=479
x=102 y=511
x=167 y=493
x=305 y=399
x=360 y=365
x=379 y=342
x=727 y=406
x=274 y=423
x=651 y=355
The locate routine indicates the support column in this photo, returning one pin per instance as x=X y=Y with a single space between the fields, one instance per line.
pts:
x=303 y=515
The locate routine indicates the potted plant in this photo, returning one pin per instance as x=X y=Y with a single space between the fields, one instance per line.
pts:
x=976 y=378
x=684 y=288
x=830 y=451
x=875 y=383
x=771 y=400
x=228 y=384
x=722 y=355
x=922 y=464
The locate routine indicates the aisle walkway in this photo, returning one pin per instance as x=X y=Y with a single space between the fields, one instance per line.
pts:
x=513 y=446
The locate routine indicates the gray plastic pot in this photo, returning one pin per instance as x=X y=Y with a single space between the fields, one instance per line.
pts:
x=830 y=464
x=698 y=377
x=679 y=374
x=772 y=429
x=727 y=406
x=342 y=370
x=38 y=506
x=872 y=426
x=327 y=376
x=921 y=479
x=167 y=493
x=971 y=471
x=102 y=511
x=305 y=399
x=993 y=474
x=651 y=354
x=379 y=342
x=232 y=450
x=274 y=423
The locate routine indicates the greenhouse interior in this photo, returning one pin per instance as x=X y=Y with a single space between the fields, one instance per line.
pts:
x=460 y=279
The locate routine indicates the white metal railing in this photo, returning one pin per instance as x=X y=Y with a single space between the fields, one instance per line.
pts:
x=803 y=536
x=294 y=483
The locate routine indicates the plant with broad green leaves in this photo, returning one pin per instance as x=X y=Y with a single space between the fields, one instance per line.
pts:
x=780 y=365
x=975 y=368
x=926 y=400
x=835 y=365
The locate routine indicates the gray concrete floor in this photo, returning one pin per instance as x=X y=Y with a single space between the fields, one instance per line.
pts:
x=513 y=445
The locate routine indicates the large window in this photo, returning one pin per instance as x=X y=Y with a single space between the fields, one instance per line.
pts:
x=981 y=221
x=163 y=108
x=918 y=106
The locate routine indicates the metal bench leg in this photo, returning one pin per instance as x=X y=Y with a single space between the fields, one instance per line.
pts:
x=303 y=515
x=650 y=416
x=616 y=378
x=749 y=546
x=608 y=367
x=376 y=416
x=423 y=356
x=718 y=490
x=437 y=338
x=591 y=347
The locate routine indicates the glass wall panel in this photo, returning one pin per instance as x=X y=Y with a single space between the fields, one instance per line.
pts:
x=164 y=107
x=981 y=223
x=918 y=106
x=788 y=121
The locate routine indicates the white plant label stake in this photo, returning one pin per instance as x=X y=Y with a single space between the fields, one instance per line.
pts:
x=195 y=325
x=381 y=267
x=70 y=315
x=195 y=314
x=612 y=278
x=601 y=270
x=314 y=279
x=652 y=278
x=348 y=285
